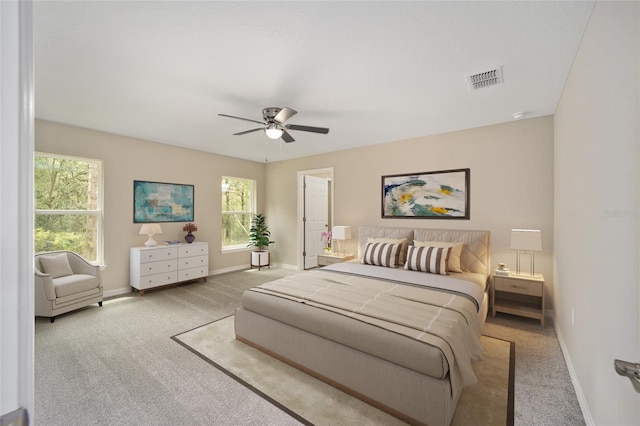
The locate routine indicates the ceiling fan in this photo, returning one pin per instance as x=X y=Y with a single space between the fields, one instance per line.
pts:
x=273 y=124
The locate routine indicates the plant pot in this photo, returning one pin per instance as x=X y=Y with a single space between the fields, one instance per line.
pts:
x=260 y=258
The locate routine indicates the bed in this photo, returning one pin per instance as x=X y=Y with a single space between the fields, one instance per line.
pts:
x=398 y=327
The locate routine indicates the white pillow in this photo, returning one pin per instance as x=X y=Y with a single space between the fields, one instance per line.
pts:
x=428 y=259
x=57 y=265
x=381 y=254
x=401 y=241
x=454 y=255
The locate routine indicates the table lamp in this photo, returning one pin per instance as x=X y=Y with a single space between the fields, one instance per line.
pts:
x=526 y=241
x=150 y=229
x=341 y=233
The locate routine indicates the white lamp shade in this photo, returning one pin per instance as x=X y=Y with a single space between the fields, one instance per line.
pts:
x=150 y=229
x=526 y=239
x=341 y=233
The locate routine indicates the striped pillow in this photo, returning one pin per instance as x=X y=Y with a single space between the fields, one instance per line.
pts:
x=382 y=254
x=428 y=259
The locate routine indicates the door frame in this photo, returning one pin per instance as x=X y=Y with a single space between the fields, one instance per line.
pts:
x=16 y=221
x=326 y=173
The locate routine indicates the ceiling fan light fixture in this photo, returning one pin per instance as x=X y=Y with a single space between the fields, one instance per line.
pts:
x=273 y=132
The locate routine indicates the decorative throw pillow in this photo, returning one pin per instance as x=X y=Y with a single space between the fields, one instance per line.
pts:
x=56 y=264
x=381 y=254
x=453 y=264
x=428 y=259
x=401 y=241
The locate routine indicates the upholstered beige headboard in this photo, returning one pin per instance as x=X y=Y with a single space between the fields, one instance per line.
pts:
x=476 y=252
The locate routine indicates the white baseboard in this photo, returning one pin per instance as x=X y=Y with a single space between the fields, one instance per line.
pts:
x=574 y=379
x=117 y=292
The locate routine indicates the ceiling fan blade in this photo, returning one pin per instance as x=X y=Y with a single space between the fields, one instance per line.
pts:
x=322 y=130
x=240 y=118
x=248 y=131
x=287 y=137
x=285 y=114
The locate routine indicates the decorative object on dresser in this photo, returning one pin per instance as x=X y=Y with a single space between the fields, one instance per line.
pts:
x=162 y=265
x=521 y=295
x=341 y=233
x=428 y=195
x=259 y=237
x=526 y=241
x=189 y=228
x=162 y=202
x=150 y=229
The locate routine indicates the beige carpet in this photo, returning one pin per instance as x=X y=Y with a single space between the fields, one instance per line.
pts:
x=490 y=402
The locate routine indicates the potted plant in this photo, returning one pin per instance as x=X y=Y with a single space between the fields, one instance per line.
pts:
x=259 y=237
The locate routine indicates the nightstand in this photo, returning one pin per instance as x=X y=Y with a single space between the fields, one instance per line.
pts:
x=330 y=258
x=518 y=295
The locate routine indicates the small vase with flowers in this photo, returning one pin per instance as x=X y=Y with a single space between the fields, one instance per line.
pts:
x=189 y=228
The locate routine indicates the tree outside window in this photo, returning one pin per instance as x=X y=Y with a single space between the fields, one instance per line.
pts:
x=238 y=207
x=68 y=205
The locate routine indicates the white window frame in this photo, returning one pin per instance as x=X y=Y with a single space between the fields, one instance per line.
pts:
x=251 y=211
x=98 y=213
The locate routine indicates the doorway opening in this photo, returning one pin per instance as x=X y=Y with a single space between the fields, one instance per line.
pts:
x=315 y=213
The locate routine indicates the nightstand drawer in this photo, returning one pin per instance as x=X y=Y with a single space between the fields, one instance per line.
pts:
x=529 y=288
x=329 y=259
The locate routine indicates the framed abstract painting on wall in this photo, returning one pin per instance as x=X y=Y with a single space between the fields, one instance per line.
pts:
x=162 y=202
x=429 y=195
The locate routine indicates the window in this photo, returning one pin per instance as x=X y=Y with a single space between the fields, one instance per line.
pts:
x=68 y=205
x=238 y=207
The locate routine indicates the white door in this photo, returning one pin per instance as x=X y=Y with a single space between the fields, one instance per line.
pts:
x=316 y=217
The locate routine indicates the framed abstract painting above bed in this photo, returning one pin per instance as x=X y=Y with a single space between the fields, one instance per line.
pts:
x=440 y=194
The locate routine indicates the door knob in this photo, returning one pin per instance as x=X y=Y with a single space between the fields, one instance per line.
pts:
x=629 y=369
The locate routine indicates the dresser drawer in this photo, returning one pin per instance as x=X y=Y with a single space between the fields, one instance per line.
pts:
x=192 y=273
x=193 y=262
x=152 y=268
x=156 y=280
x=529 y=288
x=193 y=250
x=156 y=254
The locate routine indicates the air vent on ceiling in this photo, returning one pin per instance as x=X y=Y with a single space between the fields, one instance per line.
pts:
x=485 y=79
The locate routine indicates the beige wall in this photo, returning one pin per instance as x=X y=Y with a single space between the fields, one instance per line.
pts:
x=597 y=211
x=127 y=159
x=511 y=185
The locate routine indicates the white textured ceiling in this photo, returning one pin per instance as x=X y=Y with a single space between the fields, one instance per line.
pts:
x=372 y=72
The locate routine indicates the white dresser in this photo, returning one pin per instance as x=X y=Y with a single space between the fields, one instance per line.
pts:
x=161 y=265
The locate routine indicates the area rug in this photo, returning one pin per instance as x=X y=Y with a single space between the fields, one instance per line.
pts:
x=311 y=401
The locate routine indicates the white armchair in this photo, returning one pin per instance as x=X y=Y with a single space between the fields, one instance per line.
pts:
x=64 y=281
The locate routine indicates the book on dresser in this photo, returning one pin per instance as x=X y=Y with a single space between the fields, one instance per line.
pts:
x=161 y=265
